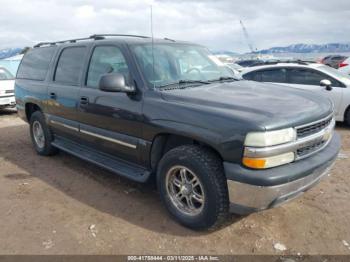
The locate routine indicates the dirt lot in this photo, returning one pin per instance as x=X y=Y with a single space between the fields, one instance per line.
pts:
x=62 y=205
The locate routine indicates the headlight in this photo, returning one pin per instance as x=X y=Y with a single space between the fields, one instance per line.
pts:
x=270 y=138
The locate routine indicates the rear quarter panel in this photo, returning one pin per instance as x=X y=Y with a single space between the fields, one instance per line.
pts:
x=29 y=91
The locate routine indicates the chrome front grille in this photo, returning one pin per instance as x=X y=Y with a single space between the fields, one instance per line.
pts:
x=307 y=150
x=313 y=128
x=307 y=132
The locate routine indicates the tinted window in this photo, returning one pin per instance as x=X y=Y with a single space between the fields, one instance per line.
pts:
x=308 y=77
x=35 y=63
x=250 y=76
x=106 y=59
x=277 y=75
x=70 y=65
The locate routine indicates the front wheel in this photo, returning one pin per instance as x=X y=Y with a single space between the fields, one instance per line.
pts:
x=347 y=117
x=193 y=187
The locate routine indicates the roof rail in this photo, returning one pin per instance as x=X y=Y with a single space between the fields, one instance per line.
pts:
x=102 y=36
x=94 y=37
x=63 y=41
x=169 y=39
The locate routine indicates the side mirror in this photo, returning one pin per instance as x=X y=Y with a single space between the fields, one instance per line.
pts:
x=327 y=84
x=115 y=82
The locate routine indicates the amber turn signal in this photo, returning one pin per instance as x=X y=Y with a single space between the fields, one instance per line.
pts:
x=256 y=163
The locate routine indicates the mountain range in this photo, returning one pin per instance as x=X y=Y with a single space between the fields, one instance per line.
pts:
x=5 y=53
x=309 y=48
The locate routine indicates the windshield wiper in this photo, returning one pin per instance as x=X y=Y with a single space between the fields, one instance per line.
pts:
x=193 y=82
x=184 y=83
x=225 y=78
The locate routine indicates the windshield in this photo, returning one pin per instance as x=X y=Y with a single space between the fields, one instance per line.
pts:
x=5 y=75
x=174 y=63
x=336 y=74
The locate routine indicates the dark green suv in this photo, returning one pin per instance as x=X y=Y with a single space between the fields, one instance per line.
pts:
x=161 y=108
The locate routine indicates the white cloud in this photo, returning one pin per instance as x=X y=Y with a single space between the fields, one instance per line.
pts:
x=212 y=23
x=85 y=12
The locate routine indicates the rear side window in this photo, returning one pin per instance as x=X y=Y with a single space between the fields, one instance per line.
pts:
x=273 y=75
x=35 y=63
x=250 y=76
x=70 y=65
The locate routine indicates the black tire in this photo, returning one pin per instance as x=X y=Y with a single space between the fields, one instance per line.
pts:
x=208 y=167
x=47 y=149
x=347 y=117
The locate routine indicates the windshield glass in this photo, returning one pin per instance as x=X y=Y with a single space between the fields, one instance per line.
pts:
x=336 y=74
x=178 y=62
x=5 y=75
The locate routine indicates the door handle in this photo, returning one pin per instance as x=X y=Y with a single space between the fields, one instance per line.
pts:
x=84 y=100
x=53 y=95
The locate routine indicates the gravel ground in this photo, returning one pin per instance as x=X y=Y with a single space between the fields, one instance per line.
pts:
x=63 y=205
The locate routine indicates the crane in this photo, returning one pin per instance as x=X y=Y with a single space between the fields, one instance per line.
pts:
x=247 y=38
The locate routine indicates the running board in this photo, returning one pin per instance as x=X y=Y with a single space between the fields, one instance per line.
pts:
x=112 y=164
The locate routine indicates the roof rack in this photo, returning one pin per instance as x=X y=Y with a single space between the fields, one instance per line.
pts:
x=169 y=39
x=102 y=36
x=94 y=37
x=62 y=42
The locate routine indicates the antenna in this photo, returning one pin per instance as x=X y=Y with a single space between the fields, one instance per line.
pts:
x=154 y=83
x=247 y=38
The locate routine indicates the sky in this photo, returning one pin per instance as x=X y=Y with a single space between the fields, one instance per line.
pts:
x=212 y=23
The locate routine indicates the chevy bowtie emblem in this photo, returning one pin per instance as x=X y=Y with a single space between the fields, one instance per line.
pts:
x=327 y=135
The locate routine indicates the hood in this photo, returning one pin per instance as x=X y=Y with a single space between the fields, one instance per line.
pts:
x=266 y=105
x=7 y=85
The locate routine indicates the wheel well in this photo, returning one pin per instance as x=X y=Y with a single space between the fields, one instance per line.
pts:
x=165 y=142
x=30 y=109
x=346 y=112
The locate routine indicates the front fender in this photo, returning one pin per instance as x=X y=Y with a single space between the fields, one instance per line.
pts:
x=228 y=147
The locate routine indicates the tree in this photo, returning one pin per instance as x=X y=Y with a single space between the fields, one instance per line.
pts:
x=25 y=50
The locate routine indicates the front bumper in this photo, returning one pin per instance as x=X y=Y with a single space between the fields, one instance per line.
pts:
x=7 y=101
x=255 y=190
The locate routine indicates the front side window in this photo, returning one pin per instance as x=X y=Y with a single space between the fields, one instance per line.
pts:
x=104 y=60
x=70 y=65
x=303 y=76
x=175 y=62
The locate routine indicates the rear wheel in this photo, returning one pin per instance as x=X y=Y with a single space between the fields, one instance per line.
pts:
x=193 y=187
x=41 y=135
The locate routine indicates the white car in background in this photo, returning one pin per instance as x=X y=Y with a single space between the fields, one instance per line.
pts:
x=310 y=76
x=7 y=89
x=344 y=66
